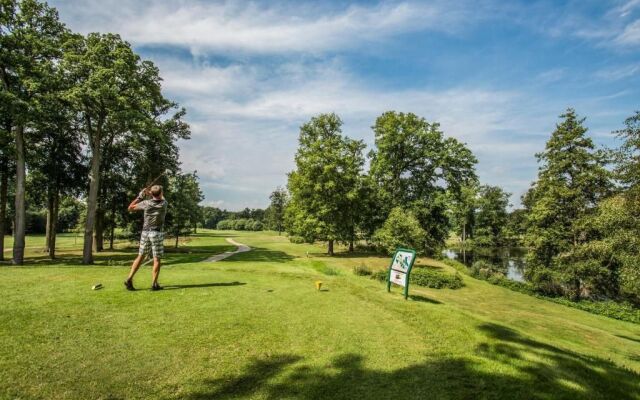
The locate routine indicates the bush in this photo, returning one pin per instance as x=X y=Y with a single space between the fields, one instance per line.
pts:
x=380 y=275
x=296 y=239
x=240 y=224
x=224 y=225
x=401 y=229
x=482 y=269
x=255 y=226
x=435 y=279
x=362 y=270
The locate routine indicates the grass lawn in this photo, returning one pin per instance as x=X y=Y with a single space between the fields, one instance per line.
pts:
x=253 y=326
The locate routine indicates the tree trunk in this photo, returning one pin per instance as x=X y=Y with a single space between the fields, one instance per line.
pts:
x=47 y=232
x=99 y=230
x=464 y=232
x=4 y=183
x=330 y=250
x=54 y=225
x=92 y=201
x=112 y=233
x=19 y=230
x=176 y=240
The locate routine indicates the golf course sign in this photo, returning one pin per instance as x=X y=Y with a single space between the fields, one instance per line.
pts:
x=400 y=269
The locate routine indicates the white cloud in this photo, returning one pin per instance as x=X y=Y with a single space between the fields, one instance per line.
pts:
x=630 y=36
x=618 y=72
x=245 y=114
x=256 y=28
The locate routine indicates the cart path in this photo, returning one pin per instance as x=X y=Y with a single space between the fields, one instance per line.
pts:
x=241 y=249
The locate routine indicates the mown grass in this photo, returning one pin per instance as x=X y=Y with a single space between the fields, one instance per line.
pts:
x=253 y=326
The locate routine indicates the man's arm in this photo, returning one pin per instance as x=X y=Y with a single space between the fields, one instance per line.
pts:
x=132 y=206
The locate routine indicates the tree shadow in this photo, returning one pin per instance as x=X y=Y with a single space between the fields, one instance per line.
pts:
x=507 y=366
x=204 y=285
x=629 y=338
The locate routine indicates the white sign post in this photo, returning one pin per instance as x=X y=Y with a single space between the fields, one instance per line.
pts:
x=400 y=269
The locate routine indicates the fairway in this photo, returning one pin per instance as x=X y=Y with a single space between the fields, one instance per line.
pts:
x=254 y=326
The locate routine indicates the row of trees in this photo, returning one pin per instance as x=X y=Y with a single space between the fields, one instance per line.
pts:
x=414 y=170
x=580 y=220
x=85 y=116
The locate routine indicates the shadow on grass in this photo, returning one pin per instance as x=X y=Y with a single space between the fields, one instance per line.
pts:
x=629 y=338
x=204 y=285
x=123 y=257
x=423 y=299
x=507 y=366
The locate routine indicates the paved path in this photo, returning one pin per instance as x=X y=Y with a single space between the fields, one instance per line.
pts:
x=241 y=249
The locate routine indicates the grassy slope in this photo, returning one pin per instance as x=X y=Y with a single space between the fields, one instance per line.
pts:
x=253 y=326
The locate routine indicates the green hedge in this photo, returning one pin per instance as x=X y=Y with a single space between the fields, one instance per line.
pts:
x=427 y=278
x=435 y=279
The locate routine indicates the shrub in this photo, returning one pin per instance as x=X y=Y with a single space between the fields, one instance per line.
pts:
x=362 y=270
x=481 y=269
x=239 y=224
x=224 y=225
x=435 y=279
x=401 y=229
x=296 y=239
x=380 y=275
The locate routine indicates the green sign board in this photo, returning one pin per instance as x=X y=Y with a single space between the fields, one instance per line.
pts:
x=400 y=269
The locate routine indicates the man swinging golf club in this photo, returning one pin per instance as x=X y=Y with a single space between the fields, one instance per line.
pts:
x=152 y=238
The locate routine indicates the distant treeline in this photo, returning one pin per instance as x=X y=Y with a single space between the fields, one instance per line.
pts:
x=246 y=220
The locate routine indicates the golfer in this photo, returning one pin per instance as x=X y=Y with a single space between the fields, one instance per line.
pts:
x=152 y=237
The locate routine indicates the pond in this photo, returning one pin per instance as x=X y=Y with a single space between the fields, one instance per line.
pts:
x=510 y=259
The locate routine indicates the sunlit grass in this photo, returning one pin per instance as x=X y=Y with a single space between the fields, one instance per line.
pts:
x=255 y=326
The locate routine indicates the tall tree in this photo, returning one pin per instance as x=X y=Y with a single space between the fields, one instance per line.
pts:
x=415 y=167
x=328 y=166
x=572 y=179
x=57 y=164
x=275 y=212
x=463 y=208
x=184 y=196
x=7 y=159
x=30 y=44
x=491 y=216
x=116 y=94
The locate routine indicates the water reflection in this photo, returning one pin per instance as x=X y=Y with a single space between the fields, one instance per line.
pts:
x=509 y=259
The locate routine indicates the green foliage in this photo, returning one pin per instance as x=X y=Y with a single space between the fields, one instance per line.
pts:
x=184 y=196
x=297 y=239
x=275 y=213
x=324 y=184
x=491 y=216
x=380 y=275
x=571 y=182
x=415 y=167
x=362 y=270
x=240 y=225
x=431 y=278
x=401 y=229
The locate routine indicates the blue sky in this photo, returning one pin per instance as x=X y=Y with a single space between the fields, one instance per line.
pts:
x=495 y=74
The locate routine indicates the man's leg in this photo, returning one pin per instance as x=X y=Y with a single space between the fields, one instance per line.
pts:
x=156 y=271
x=135 y=266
